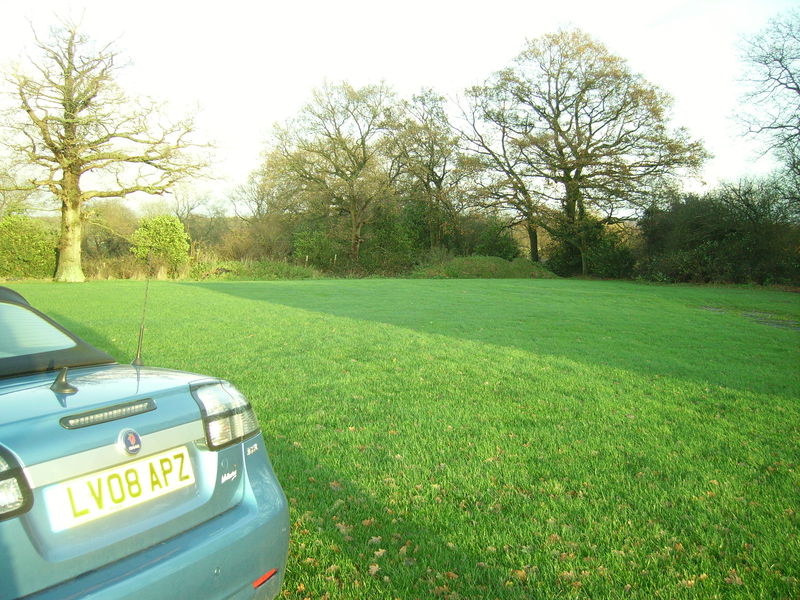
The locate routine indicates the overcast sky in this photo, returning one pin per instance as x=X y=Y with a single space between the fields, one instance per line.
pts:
x=245 y=65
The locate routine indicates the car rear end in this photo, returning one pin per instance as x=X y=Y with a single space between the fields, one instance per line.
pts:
x=135 y=483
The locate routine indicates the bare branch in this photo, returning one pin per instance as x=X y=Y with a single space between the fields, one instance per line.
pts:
x=73 y=122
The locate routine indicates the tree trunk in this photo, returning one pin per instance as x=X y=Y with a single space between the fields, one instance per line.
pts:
x=533 y=238
x=68 y=268
x=584 y=265
x=355 y=240
x=573 y=201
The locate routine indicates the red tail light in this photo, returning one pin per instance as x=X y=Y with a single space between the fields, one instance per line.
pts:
x=264 y=578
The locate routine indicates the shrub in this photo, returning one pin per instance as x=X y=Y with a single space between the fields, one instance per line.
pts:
x=317 y=248
x=388 y=247
x=496 y=239
x=611 y=257
x=118 y=267
x=608 y=253
x=484 y=267
x=27 y=248
x=741 y=233
x=162 y=242
x=487 y=236
x=250 y=271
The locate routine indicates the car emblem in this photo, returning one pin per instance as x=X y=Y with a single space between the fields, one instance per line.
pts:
x=130 y=441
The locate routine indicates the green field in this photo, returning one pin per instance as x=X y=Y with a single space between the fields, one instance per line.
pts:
x=501 y=439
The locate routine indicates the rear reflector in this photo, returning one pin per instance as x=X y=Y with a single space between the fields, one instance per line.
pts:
x=264 y=578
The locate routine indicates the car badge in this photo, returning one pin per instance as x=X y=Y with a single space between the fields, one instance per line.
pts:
x=130 y=440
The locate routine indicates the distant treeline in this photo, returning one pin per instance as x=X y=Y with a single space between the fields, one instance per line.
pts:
x=743 y=233
x=566 y=157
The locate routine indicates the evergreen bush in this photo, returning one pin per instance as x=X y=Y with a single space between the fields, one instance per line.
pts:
x=162 y=242
x=27 y=248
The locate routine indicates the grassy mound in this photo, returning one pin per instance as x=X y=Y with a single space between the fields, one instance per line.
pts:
x=484 y=267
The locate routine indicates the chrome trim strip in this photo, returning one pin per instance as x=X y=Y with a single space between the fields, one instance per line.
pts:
x=75 y=465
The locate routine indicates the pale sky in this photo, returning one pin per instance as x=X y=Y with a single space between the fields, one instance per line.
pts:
x=245 y=65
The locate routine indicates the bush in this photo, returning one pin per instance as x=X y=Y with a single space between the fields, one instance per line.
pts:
x=260 y=270
x=562 y=258
x=743 y=233
x=496 y=239
x=27 y=248
x=388 y=247
x=484 y=267
x=120 y=267
x=162 y=242
x=317 y=248
x=266 y=237
x=487 y=236
x=608 y=253
x=611 y=257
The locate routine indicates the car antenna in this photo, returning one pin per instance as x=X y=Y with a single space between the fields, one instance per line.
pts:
x=61 y=385
x=137 y=362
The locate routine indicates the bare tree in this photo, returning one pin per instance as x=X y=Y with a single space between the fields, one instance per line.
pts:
x=83 y=139
x=504 y=179
x=773 y=58
x=569 y=127
x=334 y=152
x=427 y=150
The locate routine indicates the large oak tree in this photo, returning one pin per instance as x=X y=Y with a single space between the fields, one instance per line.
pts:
x=80 y=138
x=573 y=135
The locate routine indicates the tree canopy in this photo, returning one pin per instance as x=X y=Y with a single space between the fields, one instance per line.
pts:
x=80 y=138
x=333 y=152
x=566 y=146
x=569 y=126
x=773 y=58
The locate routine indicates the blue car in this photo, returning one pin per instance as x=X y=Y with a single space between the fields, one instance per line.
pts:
x=127 y=482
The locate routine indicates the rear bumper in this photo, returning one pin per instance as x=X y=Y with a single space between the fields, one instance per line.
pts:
x=217 y=560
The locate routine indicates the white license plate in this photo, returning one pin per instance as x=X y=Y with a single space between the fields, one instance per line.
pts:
x=84 y=499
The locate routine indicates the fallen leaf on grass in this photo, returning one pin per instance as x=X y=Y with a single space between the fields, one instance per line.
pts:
x=733 y=578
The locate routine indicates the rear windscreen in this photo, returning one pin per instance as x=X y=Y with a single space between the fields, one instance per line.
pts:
x=30 y=342
x=23 y=332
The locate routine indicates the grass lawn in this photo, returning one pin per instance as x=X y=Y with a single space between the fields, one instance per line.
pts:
x=501 y=439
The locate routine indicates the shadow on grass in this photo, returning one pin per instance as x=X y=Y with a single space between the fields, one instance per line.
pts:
x=643 y=329
x=341 y=533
